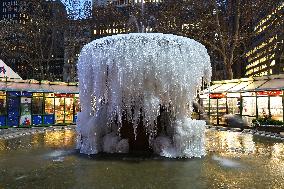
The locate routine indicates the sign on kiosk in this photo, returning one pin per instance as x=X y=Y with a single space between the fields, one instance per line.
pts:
x=269 y=93
x=217 y=95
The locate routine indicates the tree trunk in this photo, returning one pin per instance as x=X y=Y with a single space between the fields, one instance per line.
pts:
x=228 y=69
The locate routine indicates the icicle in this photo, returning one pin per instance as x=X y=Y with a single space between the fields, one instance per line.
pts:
x=133 y=72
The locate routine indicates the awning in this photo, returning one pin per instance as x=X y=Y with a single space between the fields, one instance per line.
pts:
x=239 y=87
x=275 y=84
x=13 y=86
x=243 y=85
x=223 y=88
x=34 y=87
x=208 y=90
x=45 y=88
x=253 y=86
x=65 y=89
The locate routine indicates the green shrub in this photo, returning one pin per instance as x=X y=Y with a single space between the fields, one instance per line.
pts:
x=267 y=121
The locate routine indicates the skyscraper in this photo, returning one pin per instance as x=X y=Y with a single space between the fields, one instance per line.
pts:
x=9 y=10
x=33 y=50
x=266 y=55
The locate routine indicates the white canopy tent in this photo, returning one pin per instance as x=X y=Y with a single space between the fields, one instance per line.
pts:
x=264 y=83
x=6 y=71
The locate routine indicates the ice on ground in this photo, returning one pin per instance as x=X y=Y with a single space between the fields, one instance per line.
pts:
x=227 y=162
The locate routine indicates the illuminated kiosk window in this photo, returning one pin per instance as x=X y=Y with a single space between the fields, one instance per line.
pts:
x=37 y=108
x=213 y=111
x=77 y=107
x=262 y=106
x=233 y=103
x=25 y=111
x=249 y=104
x=64 y=108
x=59 y=108
x=217 y=108
x=49 y=103
x=69 y=110
x=3 y=107
x=222 y=110
x=204 y=102
x=48 y=117
x=276 y=108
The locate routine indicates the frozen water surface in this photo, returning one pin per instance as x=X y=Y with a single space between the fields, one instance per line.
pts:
x=131 y=76
x=32 y=162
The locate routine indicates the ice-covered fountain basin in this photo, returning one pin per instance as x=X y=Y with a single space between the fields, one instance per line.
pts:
x=156 y=67
x=128 y=73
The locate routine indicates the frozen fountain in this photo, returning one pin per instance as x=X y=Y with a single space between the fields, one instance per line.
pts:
x=148 y=81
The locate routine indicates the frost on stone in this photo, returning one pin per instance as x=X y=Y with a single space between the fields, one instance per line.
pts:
x=131 y=76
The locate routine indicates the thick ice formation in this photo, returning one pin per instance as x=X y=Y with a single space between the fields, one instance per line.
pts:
x=131 y=76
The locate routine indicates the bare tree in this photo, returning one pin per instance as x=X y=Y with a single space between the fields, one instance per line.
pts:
x=226 y=26
x=34 y=39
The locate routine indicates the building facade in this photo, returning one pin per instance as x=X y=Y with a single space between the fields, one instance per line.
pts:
x=9 y=10
x=11 y=49
x=54 y=38
x=266 y=56
x=34 y=56
x=76 y=35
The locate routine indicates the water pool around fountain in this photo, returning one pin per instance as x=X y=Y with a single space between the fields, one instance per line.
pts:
x=233 y=160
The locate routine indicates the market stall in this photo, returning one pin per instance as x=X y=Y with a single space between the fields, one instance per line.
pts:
x=251 y=98
x=30 y=102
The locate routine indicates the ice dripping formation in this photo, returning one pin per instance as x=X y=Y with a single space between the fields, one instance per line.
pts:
x=131 y=76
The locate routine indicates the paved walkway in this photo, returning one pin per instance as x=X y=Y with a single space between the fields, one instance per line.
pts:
x=249 y=131
x=17 y=132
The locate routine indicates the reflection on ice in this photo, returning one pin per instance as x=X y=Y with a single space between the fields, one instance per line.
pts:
x=58 y=159
x=227 y=162
x=21 y=177
x=36 y=166
x=58 y=155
